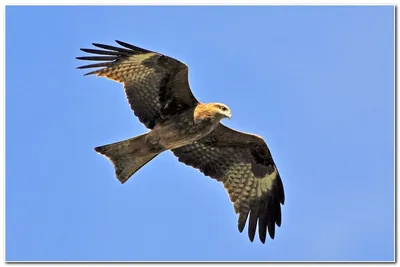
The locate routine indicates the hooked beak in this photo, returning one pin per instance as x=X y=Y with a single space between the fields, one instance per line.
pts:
x=229 y=115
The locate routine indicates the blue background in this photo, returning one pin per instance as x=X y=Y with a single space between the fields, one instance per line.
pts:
x=316 y=82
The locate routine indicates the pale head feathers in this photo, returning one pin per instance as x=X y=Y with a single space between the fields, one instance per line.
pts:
x=215 y=111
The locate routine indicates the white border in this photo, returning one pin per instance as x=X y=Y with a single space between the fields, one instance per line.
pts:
x=152 y=2
x=200 y=2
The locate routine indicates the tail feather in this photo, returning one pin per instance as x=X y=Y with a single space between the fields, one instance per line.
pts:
x=127 y=156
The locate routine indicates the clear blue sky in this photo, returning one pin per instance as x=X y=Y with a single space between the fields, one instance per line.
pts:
x=315 y=82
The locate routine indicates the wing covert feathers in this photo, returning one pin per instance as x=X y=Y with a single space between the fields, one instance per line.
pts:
x=243 y=163
x=156 y=85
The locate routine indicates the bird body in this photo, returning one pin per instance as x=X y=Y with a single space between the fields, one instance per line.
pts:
x=187 y=127
x=158 y=92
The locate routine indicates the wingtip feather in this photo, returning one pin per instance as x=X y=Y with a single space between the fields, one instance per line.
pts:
x=251 y=238
x=87 y=74
x=133 y=47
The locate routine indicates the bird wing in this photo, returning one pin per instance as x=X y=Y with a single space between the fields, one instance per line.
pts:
x=156 y=85
x=243 y=163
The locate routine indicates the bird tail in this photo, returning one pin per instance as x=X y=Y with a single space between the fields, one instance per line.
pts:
x=128 y=156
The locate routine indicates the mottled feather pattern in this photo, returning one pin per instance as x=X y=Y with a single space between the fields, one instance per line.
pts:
x=209 y=160
x=156 y=86
x=158 y=91
x=253 y=184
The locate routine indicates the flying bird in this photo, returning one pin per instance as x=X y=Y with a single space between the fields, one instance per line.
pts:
x=157 y=89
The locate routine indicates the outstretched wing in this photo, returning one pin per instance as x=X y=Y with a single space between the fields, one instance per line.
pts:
x=243 y=163
x=156 y=85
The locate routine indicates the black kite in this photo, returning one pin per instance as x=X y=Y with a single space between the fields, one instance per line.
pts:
x=158 y=92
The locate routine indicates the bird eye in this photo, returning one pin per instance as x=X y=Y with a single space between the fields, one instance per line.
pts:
x=224 y=108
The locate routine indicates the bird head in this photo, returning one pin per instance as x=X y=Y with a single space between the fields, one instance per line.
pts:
x=221 y=110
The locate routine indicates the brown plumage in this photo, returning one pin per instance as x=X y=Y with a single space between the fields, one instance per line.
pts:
x=158 y=92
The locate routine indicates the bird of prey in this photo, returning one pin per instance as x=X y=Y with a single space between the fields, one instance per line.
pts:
x=157 y=89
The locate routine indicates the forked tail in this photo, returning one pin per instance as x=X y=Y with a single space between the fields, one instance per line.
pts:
x=127 y=156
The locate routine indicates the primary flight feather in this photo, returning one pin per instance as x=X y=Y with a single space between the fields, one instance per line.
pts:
x=157 y=89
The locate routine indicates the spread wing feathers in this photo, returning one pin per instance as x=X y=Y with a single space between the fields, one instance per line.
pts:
x=243 y=163
x=156 y=86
